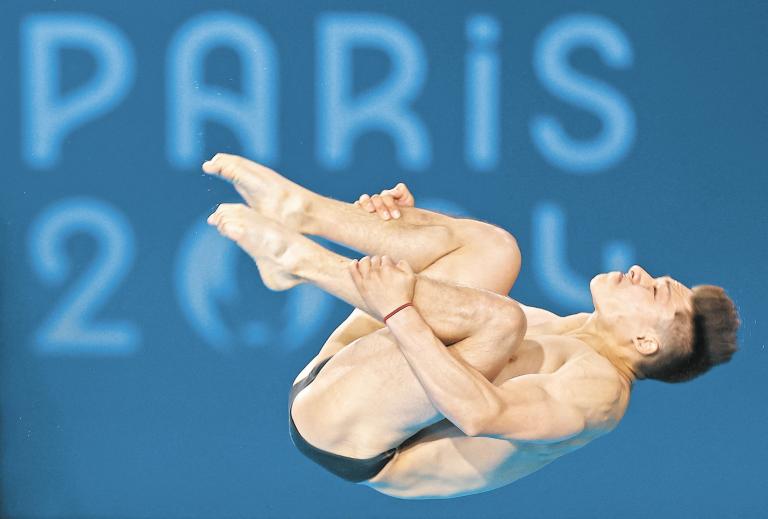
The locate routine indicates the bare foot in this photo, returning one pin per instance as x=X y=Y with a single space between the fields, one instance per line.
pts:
x=275 y=249
x=264 y=189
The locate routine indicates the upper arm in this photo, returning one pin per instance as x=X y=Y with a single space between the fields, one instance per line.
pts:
x=533 y=408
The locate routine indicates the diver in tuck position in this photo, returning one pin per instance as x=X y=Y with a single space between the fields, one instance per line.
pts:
x=465 y=389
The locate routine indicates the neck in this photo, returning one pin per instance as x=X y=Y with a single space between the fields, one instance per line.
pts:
x=586 y=327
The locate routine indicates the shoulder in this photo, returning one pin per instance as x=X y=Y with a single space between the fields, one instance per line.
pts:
x=589 y=382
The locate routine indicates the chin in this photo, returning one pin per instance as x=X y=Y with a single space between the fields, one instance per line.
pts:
x=597 y=279
x=594 y=287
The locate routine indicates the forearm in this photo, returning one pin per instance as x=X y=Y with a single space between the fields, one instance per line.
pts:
x=459 y=392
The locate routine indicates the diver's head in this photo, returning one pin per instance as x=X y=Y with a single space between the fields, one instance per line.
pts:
x=663 y=329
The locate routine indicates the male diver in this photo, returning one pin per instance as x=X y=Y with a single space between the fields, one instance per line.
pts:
x=462 y=389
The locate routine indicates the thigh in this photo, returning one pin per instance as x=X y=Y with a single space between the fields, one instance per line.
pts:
x=442 y=461
x=490 y=259
x=356 y=325
x=367 y=399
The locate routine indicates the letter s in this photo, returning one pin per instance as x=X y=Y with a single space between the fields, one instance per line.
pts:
x=550 y=63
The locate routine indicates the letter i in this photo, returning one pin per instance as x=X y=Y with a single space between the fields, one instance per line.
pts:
x=481 y=101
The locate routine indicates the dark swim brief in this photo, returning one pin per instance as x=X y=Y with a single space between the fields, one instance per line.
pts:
x=351 y=469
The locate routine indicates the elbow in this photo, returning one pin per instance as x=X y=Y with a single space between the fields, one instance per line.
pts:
x=470 y=425
x=479 y=425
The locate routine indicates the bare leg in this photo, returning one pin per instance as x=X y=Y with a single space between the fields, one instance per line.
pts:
x=452 y=311
x=336 y=412
x=461 y=251
x=500 y=269
x=419 y=236
x=367 y=399
x=472 y=253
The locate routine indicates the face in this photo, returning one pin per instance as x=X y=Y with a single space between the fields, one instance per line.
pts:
x=636 y=302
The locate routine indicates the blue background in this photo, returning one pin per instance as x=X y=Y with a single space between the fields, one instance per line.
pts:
x=144 y=367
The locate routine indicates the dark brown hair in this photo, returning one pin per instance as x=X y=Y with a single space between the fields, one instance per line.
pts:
x=696 y=342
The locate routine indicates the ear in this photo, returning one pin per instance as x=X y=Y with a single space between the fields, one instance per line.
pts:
x=646 y=345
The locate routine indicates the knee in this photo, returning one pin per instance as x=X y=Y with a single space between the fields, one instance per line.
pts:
x=504 y=242
x=499 y=241
x=474 y=231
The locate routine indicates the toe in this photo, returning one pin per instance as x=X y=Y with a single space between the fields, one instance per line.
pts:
x=213 y=219
x=232 y=230
x=224 y=165
x=224 y=156
x=211 y=166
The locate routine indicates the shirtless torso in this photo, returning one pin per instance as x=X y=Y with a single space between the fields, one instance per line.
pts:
x=441 y=461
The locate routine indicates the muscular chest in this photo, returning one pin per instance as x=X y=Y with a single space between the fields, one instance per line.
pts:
x=536 y=354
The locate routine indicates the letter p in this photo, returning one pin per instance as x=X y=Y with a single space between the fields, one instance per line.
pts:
x=47 y=115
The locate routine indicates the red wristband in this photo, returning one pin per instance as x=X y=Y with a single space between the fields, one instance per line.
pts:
x=393 y=312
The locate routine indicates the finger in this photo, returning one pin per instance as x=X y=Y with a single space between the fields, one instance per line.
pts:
x=386 y=261
x=364 y=265
x=375 y=262
x=362 y=206
x=380 y=208
x=389 y=202
x=391 y=192
x=394 y=196
x=383 y=208
x=405 y=197
x=394 y=192
x=354 y=272
x=365 y=201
